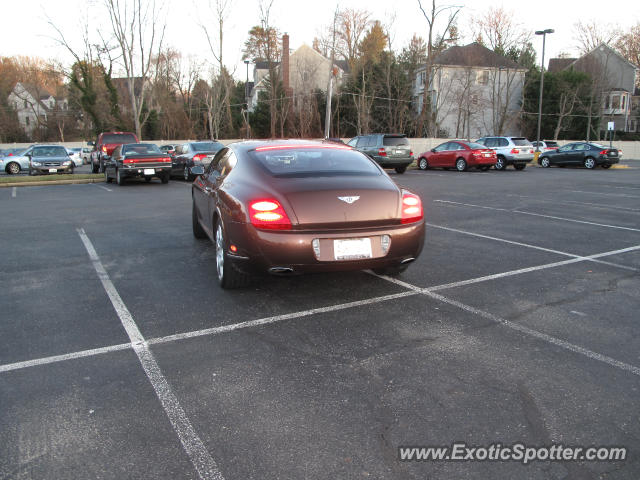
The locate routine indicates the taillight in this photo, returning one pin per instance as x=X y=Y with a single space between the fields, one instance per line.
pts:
x=104 y=148
x=269 y=214
x=411 y=207
x=382 y=152
x=411 y=153
x=199 y=157
x=604 y=152
x=515 y=151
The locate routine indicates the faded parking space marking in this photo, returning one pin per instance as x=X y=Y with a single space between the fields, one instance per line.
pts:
x=552 y=217
x=200 y=457
x=515 y=326
x=14 y=192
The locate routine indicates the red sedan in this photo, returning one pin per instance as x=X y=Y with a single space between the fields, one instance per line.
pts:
x=458 y=154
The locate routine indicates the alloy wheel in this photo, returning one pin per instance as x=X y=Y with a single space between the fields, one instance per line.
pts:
x=219 y=252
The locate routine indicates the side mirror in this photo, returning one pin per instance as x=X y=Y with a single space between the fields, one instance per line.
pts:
x=433 y=150
x=197 y=170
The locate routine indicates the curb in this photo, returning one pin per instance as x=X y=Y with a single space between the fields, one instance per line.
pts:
x=52 y=182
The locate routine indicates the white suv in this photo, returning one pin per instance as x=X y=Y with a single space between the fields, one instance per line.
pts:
x=516 y=151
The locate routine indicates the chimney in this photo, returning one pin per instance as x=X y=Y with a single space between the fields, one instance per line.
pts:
x=285 y=61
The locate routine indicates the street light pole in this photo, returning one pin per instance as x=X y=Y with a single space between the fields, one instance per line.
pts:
x=245 y=110
x=544 y=36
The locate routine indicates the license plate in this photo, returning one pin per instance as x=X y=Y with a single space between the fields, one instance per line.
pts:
x=53 y=170
x=613 y=154
x=352 y=249
x=149 y=171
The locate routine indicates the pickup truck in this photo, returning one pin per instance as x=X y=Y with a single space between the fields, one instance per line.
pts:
x=142 y=160
x=104 y=146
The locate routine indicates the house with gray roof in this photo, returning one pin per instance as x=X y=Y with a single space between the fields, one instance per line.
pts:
x=33 y=105
x=473 y=92
x=614 y=82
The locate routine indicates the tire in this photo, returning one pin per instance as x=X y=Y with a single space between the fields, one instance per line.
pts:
x=107 y=178
x=501 y=164
x=186 y=175
x=164 y=178
x=423 y=164
x=13 y=168
x=520 y=166
x=544 y=162
x=198 y=231
x=120 y=179
x=589 y=163
x=606 y=165
x=228 y=276
x=391 y=271
x=461 y=164
x=70 y=172
x=401 y=169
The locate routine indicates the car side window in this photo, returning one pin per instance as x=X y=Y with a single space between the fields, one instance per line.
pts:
x=490 y=142
x=581 y=147
x=363 y=142
x=503 y=142
x=442 y=148
x=353 y=142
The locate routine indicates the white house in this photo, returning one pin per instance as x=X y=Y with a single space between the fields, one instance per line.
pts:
x=473 y=92
x=33 y=105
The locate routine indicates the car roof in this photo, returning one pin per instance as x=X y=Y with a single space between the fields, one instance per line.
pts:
x=249 y=145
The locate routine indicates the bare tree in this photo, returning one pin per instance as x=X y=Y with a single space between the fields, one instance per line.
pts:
x=435 y=44
x=499 y=31
x=588 y=35
x=628 y=44
x=138 y=28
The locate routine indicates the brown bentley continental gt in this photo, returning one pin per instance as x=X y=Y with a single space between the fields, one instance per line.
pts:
x=287 y=207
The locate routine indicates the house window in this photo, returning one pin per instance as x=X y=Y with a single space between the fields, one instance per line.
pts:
x=26 y=121
x=474 y=99
x=423 y=77
x=25 y=103
x=623 y=101
x=482 y=77
x=615 y=102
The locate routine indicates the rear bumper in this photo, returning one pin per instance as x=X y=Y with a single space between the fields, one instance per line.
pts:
x=479 y=162
x=604 y=160
x=144 y=170
x=391 y=162
x=259 y=251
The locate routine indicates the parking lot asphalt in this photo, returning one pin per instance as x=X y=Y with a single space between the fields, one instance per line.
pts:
x=122 y=358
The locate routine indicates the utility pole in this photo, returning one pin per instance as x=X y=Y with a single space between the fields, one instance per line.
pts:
x=544 y=36
x=332 y=73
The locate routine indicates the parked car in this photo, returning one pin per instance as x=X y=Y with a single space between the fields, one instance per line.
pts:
x=588 y=155
x=170 y=149
x=388 y=150
x=191 y=154
x=13 y=161
x=458 y=154
x=516 y=151
x=142 y=160
x=104 y=146
x=545 y=145
x=287 y=207
x=86 y=155
x=75 y=154
x=45 y=159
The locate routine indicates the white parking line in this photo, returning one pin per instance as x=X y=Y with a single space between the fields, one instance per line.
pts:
x=103 y=187
x=623 y=195
x=521 y=328
x=203 y=462
x=61 y=358
x=14 y=192
x=449 y=202
x=535 y=247
x=277 y=318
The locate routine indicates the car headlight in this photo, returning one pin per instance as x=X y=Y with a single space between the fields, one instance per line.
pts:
x=36 y=164
x=67 y=163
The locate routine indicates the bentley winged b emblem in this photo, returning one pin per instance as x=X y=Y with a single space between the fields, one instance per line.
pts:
x=348 y=200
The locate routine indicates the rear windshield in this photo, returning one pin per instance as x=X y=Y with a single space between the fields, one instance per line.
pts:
x=474 y=146
x=207 y=146
x=50 y=152
x=551 y=144
x=521 y=142
x=311 y=162
x=141 y=149
x=394 y=141
x=119 y=138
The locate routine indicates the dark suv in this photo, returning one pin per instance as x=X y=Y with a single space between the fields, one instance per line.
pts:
x=388 y=150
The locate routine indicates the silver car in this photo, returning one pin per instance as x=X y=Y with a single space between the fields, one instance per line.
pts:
x=12 y=161
x=75 y=154
x=516 y=151
x=48 y=159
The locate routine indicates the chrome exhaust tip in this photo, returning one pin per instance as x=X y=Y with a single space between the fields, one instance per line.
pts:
x=281 y=270
x=407 y=260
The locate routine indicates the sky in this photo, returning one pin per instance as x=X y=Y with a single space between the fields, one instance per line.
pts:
x=26 y=30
